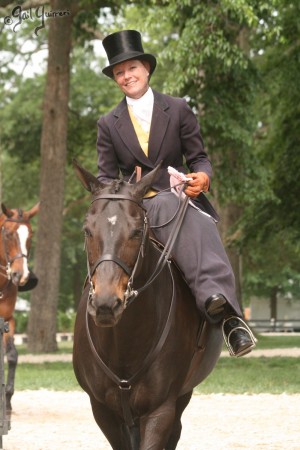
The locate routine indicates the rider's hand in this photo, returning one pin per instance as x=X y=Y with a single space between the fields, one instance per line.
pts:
x=198 y=184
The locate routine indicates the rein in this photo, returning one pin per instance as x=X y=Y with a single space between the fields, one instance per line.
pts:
x=131 y=293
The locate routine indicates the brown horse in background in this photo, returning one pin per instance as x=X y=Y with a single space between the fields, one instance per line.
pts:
x=140 y=345
x=15 y=242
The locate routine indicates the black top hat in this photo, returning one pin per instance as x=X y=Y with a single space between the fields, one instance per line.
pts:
x=122 y=46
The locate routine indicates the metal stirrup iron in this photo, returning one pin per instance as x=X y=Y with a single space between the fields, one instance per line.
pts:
x=242 y=326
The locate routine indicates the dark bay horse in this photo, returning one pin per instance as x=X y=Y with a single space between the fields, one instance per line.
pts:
x=15 y=242
x=140 y=346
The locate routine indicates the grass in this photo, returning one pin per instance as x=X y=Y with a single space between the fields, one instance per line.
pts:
x=280 y=341
x=55 y=376
x=253 y=376
x=230 y=376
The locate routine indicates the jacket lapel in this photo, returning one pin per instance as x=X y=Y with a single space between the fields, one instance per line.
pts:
x=159 y=125
x=126 y=132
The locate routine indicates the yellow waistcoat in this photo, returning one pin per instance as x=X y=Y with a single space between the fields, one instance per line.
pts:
x=143 y=138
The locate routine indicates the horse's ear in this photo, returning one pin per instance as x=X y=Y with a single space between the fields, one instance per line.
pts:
x=143 y=186
x=88 y=180
x=8 y=212
x=34 y=210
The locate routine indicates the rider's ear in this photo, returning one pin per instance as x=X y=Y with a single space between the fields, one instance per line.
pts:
x=143 y=186
x=88 y=180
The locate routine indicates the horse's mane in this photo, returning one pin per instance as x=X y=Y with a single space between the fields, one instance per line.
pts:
x=114 y=187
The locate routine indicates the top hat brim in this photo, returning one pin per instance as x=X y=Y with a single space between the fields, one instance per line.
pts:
x=108 y=71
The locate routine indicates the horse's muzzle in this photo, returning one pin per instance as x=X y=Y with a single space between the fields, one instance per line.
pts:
x=18 y=278
x=106 y=312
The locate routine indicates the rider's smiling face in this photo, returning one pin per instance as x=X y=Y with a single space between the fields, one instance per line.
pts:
x=132 y=77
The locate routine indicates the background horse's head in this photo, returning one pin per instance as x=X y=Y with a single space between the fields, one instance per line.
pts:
x=115 y=233
x=15 y=242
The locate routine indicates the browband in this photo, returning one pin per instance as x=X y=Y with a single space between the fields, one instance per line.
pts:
x=117 y=197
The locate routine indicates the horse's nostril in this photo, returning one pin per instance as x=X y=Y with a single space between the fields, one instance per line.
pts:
x=104 y=309
x=16 y=276
x=109 y=307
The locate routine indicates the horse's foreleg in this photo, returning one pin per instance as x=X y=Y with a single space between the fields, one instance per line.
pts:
x=12 y=361
x=132 y=436
x=181 y=404
x=111 y=426
x=157 y=427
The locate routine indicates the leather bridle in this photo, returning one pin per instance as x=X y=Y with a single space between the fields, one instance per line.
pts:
x=110 y=257
x=130 y=293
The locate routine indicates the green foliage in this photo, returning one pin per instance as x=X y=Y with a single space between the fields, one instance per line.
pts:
x=206 y=50
x=283 y=141
x=22 y=116
x=21 y=321
x=271 y=223
x=65 y=321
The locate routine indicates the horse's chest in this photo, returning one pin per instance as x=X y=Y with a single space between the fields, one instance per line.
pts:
x=142 y=397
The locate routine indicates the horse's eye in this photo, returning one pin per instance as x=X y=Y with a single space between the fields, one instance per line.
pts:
x=8 y=235
x=136 y=234
x=87 y=232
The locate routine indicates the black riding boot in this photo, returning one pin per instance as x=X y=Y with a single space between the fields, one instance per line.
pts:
x=237 y=335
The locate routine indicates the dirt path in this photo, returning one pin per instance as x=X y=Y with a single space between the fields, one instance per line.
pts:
x=47 y=420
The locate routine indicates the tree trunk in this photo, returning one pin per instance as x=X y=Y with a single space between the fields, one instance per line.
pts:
x=44 y=298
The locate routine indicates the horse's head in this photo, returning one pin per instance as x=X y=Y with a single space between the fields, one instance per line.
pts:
x=115 y=235
x=15 y=242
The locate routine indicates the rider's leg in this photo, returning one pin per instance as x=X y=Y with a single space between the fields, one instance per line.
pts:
x=200 y=254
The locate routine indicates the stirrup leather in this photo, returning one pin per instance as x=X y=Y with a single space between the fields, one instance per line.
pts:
x=242 y=326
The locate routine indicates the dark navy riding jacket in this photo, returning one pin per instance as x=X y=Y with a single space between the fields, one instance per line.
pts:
x=174 y=138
